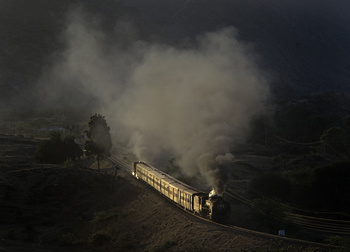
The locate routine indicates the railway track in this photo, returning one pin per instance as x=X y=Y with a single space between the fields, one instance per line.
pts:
x=127 y=168
x=120 y=164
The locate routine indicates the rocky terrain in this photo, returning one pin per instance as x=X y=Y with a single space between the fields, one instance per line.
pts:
x=57 y=208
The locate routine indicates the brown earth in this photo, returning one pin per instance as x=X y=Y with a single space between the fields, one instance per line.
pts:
x=57 y=208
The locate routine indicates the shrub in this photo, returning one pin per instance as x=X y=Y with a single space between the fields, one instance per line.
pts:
x=57 y=150
x=68 y=163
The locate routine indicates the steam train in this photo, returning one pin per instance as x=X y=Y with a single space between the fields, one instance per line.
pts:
x=212 y=207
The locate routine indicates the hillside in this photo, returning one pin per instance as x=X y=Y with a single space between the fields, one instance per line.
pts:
x=52 y=208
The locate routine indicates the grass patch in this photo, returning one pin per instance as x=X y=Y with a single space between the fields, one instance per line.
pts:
x=342 y=242
x=276 y=245
x=66 y=239
x=105 y=215
x=123 y=241
x=164 y=246
x=99 y=238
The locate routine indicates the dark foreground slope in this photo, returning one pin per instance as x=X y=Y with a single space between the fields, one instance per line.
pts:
x=52 y=208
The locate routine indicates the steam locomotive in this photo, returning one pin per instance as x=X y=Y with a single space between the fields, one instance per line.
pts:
x=210 y=206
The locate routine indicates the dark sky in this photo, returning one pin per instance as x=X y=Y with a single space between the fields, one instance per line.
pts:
x=305 y=44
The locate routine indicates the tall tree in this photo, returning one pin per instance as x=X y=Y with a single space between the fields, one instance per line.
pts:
x=99 y=141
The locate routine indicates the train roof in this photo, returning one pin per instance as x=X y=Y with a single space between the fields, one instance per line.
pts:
x=169 y=179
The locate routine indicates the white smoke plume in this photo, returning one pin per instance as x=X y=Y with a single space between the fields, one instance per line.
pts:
x=185 y=102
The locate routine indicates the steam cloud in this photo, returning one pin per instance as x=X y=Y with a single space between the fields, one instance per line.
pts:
x=165 y=101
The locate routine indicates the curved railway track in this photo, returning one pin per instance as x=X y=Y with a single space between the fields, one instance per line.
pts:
x=127 y=168
x=120 y=164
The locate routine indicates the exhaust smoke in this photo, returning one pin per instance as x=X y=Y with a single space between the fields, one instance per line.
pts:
x=161 y=100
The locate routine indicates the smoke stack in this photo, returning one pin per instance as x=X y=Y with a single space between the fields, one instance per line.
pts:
x=212 y=193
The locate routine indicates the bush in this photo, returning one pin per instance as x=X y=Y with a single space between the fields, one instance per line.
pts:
x=330 y=184
x=325 y=187
x=68 y=163
x=57 y=150
x=270 y=213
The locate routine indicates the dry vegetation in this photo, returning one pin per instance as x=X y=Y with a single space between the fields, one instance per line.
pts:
x=56 y=208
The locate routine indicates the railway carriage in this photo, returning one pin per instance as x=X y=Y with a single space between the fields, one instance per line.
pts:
x=177 y=191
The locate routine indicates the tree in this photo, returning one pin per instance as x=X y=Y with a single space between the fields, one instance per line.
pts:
x=71 y=149
x=99 y=141
x=57 y=150
x=330 y=186
x=271 y=213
